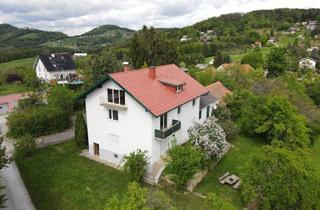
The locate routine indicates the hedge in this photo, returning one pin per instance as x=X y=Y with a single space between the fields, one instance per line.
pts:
x=37 y=121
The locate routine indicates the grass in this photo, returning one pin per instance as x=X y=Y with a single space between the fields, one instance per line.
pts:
x=58 y=178
x=232 y=163
x=26 y=62
x=10 y=89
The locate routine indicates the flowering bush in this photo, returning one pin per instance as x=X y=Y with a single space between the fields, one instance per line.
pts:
x=209 y=137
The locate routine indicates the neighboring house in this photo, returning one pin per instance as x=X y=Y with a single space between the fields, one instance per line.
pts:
x=143 y=109
x=202 y=66
x=9 y=102
x=75 y=55
x=219 y=91
x=55 y=67
x=185 y=38
x=312 y=25
x=293 y=30
x=307 y=63
x=257 y=44
x=272 y=39
x=312 y=48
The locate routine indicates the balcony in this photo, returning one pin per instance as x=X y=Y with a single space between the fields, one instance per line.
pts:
x=163 y=134
x=104 y=102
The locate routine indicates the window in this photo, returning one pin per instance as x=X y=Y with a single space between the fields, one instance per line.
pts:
x=178 y=88
x=179 y=109
x=113 y=114
x=116 y=96
x=163 y=121
x=208 y=111
x=193 y=102
x=200 y=113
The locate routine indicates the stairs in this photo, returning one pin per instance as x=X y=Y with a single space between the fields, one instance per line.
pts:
x=153 y=174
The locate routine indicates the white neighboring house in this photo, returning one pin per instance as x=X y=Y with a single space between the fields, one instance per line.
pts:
x=185 y=38
x=80 y=55
x=312 y=25
x=143 y=109
x=307 y=63
x=55 y=67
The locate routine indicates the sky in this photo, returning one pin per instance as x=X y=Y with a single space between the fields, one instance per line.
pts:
x=75 y=17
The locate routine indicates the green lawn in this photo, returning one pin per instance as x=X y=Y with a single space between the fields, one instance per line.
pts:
x=232 y=162
x=58 y=178
x=10 y=89
x=26 y=62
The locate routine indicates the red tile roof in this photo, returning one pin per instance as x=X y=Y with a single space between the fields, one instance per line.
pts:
x=157 y=97
x=218 y=90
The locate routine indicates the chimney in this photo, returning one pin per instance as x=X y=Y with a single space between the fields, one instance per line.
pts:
x=126 y=66
x=152 y=72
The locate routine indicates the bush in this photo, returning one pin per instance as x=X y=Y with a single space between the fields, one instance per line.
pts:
x=11 y=78
x=135 y=164
x=25 y=146
x=61 y=97
x=229 y=127
x=80 y=132
x=37 y=121
x=213 y=202
x=182 y=162
x=209 y=137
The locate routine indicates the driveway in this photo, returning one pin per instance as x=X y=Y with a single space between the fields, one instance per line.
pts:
x=17 y=194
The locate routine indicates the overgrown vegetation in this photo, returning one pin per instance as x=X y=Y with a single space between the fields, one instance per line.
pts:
x=135 y=164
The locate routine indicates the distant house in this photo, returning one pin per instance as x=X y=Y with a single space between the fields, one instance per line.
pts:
x=257 y=44
x=272 y=39
x=9 y=102
x=307 y=63
x=211 y=61
x=185 y=38
x=202 y=66
x=312 y=25
x=219 y=91
x=293 y=30
x=80 y=55
x=57 y=67
x=312 y=48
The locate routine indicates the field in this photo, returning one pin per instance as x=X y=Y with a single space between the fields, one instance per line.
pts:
x=58 y=178
x=26 y=62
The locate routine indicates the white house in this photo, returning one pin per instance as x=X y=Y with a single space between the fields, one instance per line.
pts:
x=143 y=109
x=312 y=25
x=185 y=38
x=307 y=63
x=55 y=67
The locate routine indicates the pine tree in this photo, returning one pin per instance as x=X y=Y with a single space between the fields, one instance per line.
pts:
x=80 y=131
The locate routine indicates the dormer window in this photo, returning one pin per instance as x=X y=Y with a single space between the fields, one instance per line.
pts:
x=178 y=88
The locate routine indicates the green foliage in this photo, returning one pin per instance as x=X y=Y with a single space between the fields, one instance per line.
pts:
x=191 y=53
x=80 y=132
x=29 y=102
x=25 y=146
x=204 y=77
x=213 y=202
x=221 y=58
x=141 y=198
x=277 y=178
x=37 y=121
x=313 y=90
x=4 y=161
x=147 y=46
x=255 y=59
x=182 y=162
x=135 y=164
x=272 y=117
x=61 y=97
x=276 y=62
x=230 y=128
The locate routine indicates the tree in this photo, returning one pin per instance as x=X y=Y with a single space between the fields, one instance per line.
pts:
x=135 y=164
x=29 y=102
x=80 y=132
x=182 y=162
x=61 y=97
x=255 y=59
x=220 y=59
x=25 y=146
x=276 y=62
x=147 y=46
x=277 y=178
x=209 y=137
x=4 y=161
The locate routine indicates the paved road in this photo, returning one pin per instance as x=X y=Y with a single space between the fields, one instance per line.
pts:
x=17 y=194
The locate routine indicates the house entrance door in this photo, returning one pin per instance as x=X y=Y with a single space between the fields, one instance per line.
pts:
x=96 y=149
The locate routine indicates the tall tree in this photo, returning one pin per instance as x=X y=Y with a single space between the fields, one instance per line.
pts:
x=151 y=48
x=276 y=62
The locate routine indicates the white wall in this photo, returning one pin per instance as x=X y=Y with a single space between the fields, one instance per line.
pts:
x=133 y=129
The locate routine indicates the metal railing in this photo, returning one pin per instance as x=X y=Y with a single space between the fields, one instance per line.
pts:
x=162 y=134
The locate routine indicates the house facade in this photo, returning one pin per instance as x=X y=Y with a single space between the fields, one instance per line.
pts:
x=55 y=67
x=143 y=109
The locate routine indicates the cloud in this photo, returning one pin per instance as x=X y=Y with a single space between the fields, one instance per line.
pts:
x=78 y=16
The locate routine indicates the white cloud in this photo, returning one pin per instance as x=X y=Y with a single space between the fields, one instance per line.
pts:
x=78 y=16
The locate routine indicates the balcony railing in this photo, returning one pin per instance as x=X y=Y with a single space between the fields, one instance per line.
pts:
x=104 y=102
x=162 y=134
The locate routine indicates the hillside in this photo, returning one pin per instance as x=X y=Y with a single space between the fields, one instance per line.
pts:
x=13 y=37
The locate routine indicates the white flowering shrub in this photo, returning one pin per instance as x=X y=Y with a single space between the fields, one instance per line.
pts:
x=209 y=137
